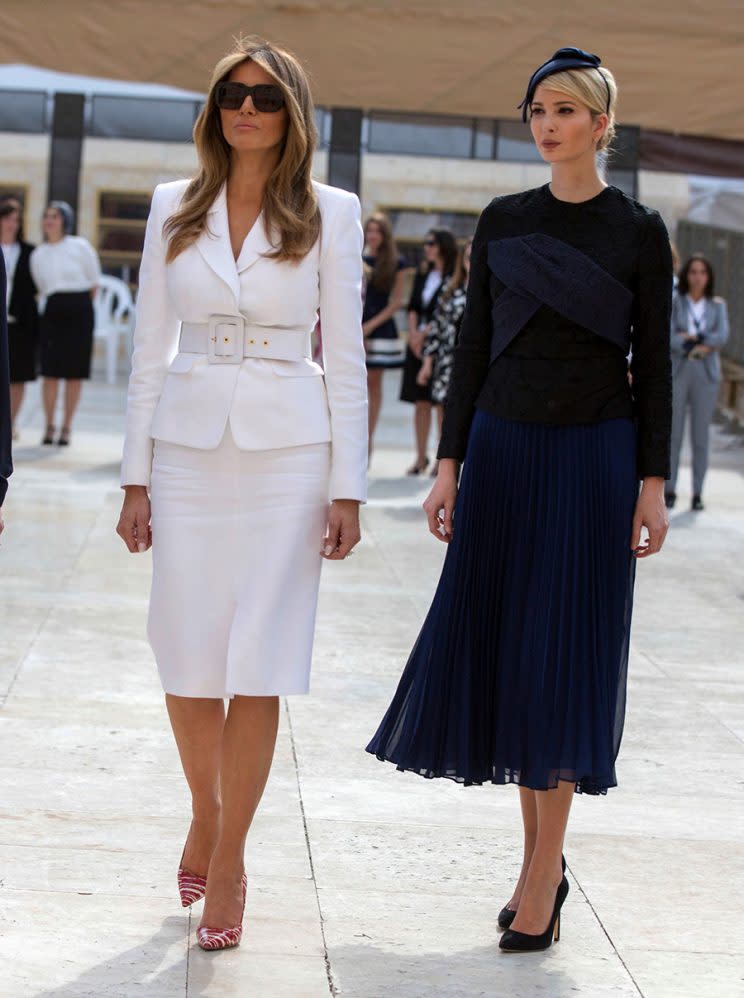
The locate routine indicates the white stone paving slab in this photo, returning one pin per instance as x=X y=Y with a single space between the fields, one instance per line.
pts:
x=362 y=880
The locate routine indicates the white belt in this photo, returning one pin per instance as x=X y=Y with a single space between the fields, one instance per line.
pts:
x=227 y=339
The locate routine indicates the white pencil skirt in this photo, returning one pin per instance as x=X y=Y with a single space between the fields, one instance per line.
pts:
x=236 y=540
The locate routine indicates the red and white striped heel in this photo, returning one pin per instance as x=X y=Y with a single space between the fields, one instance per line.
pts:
x=211 y=939
x=191 y=886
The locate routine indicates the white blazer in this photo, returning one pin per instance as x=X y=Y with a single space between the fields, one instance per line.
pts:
x=181 y=398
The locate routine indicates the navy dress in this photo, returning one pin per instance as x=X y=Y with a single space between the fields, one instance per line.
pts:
x=383 y=345
x=519 y=672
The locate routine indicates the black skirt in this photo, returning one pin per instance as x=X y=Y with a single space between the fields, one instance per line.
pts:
x=66 y=335
x=519 y=672
x=22 y=352
x=409 y=390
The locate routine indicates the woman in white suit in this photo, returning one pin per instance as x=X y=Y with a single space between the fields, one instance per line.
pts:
x=244 y=462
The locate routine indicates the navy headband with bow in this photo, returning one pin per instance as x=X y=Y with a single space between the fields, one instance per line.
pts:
x=567 y=58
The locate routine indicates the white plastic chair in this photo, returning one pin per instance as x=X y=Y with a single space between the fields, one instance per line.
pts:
x=113 y=308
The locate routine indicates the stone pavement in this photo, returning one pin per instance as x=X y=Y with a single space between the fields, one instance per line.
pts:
x=363 y=882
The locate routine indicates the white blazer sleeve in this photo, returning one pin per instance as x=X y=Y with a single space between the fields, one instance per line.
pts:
x=155 y=342
x=343 y=346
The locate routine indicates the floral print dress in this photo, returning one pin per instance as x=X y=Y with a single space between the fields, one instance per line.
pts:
x=441 y=340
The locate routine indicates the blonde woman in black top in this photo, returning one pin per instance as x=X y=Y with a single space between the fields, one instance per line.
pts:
x=519 y=673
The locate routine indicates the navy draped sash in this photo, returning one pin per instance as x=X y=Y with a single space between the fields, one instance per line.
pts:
x=540 y=270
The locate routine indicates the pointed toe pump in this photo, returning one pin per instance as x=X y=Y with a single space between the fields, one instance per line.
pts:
x=525 y=942
x=507 y=914
x=211 y=938
x=191 y=886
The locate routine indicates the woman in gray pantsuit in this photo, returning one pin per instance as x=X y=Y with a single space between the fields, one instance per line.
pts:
x=699 y=329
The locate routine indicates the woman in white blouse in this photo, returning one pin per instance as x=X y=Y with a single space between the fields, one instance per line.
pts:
x=66 y=270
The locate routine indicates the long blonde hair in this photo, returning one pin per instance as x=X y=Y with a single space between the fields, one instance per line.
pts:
x=591 y=87
x=290 y=205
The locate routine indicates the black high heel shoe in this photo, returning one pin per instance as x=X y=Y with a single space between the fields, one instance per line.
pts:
x=507 y=914
x=525 y=942
x=48 y=435
x=418 y=469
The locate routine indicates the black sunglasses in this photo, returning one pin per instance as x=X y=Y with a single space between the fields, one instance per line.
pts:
x=267 y=97
x=430 y=242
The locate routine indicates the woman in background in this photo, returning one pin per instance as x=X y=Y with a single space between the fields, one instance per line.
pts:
x=700 y=327
x=66 y=271
x=439 y=348
x=440 y=254
x=382 y=299
x=21 y=304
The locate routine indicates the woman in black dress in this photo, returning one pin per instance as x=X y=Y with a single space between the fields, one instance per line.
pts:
x=383 y=295
x=519 y=672
x=440 y=254
x=21 y=304
x=66 y=271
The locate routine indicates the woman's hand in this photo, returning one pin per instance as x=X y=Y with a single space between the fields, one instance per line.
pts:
x=416 y=341
x=440 y=503
x=134 y=521
x=424 y=376
x=343 y=531
x=650 y=512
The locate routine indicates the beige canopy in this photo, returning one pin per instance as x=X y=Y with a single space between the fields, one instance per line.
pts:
x=678 y=65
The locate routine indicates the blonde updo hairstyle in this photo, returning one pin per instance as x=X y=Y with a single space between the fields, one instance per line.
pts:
x=290 y=206
x=589 y=87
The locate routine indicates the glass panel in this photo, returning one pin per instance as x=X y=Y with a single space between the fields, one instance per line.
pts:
x=122 y=216
x=410 y=226
x=515 y=144
x=22 y=111
x=484 y=139
x=420 y=135
x=142 y=118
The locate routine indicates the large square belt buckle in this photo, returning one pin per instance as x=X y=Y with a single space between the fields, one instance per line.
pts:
x=226 y=335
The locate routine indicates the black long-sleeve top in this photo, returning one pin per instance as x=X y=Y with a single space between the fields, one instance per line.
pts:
x=555 y=371
x=6 y=462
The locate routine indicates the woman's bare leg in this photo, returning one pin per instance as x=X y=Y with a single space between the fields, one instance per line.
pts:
x=248 y=742
x=374 y=392
x=73 y=389
x=17 y=391
x=529 y=822
x=49 y=390
x=198 y=724
x=544 y=875
x=422 y=423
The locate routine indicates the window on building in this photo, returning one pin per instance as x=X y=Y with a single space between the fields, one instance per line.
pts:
x=143 y=118
x=420 y=134
x=17 y=191
x=484 y=139
x=411 y=225
x=514 y=143
x=122 y=217
x=23 y=111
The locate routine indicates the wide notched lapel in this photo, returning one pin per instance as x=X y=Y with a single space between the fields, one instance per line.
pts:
x=255 y=245
x=214 y=244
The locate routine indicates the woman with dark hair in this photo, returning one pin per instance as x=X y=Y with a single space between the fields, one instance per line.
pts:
x=519 y=672
x=440 y=255
x=439 y=348
x=700 y=328
x=66 y=270
x=383 y=294
x=21 y=304
x=244 y=461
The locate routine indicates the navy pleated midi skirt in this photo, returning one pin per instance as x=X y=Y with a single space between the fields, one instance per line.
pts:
x=519 y=672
